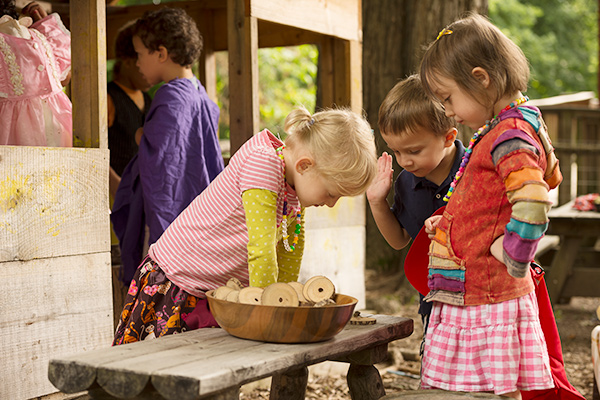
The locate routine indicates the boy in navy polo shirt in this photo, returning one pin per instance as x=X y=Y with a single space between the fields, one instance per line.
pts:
x=424 y=143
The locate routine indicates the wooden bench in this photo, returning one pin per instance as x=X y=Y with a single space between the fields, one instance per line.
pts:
x=441 y=395
x=211 y=364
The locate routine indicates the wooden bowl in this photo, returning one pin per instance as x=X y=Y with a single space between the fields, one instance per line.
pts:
x=282 y=324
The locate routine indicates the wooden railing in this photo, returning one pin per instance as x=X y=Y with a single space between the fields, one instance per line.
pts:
x=575 y=134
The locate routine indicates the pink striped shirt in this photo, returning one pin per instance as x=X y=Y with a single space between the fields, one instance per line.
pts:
x=208 y=242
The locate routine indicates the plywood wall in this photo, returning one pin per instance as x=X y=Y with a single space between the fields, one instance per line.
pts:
x=54 y=261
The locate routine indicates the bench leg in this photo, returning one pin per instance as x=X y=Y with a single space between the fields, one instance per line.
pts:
x=290 y=385
x=364 y=382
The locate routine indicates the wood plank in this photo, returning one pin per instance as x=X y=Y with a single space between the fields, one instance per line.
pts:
x=111 y=378
x=207 y=65
x=562 y=266
x=88 y=82
x=73 y=373
x=210 y=361
x=325 y=75
x=547 y=243
x=338 y=253
x=290 y=385
x=348 y=212
x=340 y=18
x=64 y=307
x=364 y=382
x=355 y=76
x=276 y=35
x=51 y=202
x=243 y=74
x=270 y=358
x=583 y=282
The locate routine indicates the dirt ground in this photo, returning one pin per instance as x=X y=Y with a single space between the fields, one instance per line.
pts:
x=388 y=294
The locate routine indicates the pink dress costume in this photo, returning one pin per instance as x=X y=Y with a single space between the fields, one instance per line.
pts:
x=34 y=59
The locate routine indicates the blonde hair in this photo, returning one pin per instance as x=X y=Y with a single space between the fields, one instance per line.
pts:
x=475 y=42
x=341 y=144
x=407 y=108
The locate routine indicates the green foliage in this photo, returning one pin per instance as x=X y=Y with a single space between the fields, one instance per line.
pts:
x=287 y=79
x=558 y=37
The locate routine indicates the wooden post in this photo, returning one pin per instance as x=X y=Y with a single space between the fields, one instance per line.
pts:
x=88 y=80
x=290 y=385
x=207 y=67
x=242 y=41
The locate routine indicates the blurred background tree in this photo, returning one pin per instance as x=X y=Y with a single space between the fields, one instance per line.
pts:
x=560 y=39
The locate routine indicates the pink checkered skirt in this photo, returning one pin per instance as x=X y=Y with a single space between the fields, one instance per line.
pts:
x=496 y=348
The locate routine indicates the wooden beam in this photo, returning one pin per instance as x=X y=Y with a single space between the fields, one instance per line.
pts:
x=88 y=81
x=329 y=17
x=68 y=311
x=325 y=74
x=207 y=66
x=117 y=16
x=243 y=73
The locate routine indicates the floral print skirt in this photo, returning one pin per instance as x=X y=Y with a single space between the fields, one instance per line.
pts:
x=156 y=307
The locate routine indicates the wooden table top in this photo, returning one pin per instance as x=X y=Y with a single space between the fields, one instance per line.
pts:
x=196 y=363
x=567 y=211
x=565 y=220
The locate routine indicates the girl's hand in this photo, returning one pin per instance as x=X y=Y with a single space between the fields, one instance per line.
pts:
x=381 y=185
x=497 y=249
x=430 y=224
x=35 y=11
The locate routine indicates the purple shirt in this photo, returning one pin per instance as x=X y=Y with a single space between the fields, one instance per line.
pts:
x=179 y=156
x=179 y=153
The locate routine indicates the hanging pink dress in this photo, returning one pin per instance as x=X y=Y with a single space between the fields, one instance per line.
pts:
x=34 y=59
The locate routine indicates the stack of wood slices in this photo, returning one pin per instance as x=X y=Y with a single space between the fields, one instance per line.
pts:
x=318 y=291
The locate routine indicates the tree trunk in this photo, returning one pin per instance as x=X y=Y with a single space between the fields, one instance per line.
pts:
x=395 y=33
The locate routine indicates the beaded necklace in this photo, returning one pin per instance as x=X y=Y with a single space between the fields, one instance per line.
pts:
x=478 y=135
x=298 y=213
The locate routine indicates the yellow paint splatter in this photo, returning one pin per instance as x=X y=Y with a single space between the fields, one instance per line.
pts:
x=13 y=191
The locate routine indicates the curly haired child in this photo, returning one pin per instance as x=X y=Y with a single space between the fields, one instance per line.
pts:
x=179 y=152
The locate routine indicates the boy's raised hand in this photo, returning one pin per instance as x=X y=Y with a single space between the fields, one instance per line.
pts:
x=382 y=183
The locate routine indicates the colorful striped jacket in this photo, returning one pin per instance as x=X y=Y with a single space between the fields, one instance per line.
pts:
x=504 y=191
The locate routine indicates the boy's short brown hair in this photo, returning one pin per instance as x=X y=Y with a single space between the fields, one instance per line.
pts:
x=174 y=29
x=407 y=108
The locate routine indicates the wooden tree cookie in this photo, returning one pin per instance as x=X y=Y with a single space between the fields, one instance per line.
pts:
x=221 y=292
x=318 y=288
x=250 y=295
x=280 y=294
x=235 y=284
x=298 y=288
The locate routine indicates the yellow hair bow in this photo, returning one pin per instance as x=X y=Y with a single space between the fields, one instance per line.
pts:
x=443 y=32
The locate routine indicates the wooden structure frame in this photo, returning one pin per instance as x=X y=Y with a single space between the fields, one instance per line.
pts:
x=54 y=210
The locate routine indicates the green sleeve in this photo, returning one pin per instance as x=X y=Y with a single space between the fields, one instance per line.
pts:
x=260 y=206
x=268 y=261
